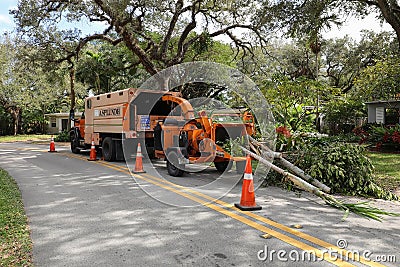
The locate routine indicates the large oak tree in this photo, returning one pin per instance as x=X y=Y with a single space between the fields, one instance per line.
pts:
x=159 y=33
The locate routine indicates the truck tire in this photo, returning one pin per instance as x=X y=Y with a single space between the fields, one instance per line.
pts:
x=74 y=143
x=174 y=168
x=223 y=166
x=108 y=149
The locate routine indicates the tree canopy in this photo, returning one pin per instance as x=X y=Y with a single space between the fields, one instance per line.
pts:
x=380 y=81
x=131 y=40
x=159 y=33
x=25 y=86
x=309 y=17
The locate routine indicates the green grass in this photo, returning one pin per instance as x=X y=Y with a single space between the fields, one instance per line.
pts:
x=15 y=241
x=25 y=137
x=387 y=169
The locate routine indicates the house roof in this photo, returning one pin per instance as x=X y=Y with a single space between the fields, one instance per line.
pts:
x=61 y=114
x=384 y=101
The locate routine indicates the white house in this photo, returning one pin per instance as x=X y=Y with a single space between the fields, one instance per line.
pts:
x=384 y=112
x=58 y=122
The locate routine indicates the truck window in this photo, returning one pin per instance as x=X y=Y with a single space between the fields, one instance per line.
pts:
x=89 y=103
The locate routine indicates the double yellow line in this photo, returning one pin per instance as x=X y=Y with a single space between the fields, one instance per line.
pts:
x=243 y=216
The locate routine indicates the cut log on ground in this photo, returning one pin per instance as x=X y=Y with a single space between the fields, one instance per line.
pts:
x=290 y=166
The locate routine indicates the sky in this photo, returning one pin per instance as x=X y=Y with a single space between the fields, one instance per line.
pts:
x=6 y=21
x=352 y=28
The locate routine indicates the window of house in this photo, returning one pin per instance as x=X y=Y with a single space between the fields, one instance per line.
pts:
x=380 y=115
x=53 y=122
x=64 y=124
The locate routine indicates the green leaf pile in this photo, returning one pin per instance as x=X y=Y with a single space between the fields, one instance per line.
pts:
x=343 y=167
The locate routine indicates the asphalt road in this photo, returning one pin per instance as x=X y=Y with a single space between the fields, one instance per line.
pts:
x=84 y=213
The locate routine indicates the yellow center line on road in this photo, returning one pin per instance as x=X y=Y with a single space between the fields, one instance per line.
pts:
x=312 y=239
x=179 y=190
x=287 y=239
x=287 y=229
x=348 y=254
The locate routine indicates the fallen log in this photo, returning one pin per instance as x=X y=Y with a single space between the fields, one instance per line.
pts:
x=296 y=180
x=293 y=168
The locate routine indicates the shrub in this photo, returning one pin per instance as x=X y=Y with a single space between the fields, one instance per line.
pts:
x=62 y=137
x=378 y=136
x=287 y=141
x=337 y=113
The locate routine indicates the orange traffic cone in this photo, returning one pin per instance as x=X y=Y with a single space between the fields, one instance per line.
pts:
x=52 y=145
x=139 y=160
x=93 y=156
x=248 y=201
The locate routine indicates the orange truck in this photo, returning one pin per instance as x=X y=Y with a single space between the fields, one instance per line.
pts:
x=164 y=122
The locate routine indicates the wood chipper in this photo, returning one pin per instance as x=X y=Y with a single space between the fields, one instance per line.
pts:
x=165 y=123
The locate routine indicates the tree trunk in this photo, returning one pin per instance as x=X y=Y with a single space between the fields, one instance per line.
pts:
x=43 y=124
x=265 y=150
x=296 y=180
x=391 y=13
x=19 y=127
x=133 y=44
x=16 y=116
x=72 y=93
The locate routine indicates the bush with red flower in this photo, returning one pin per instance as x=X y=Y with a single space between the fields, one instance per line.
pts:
x=380 y=136
x=286 y=140
x=283 y=131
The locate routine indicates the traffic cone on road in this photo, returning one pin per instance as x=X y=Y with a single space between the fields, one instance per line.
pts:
x=52 y=145
x=93 y=156
x=139 y=160
x=247 y=200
